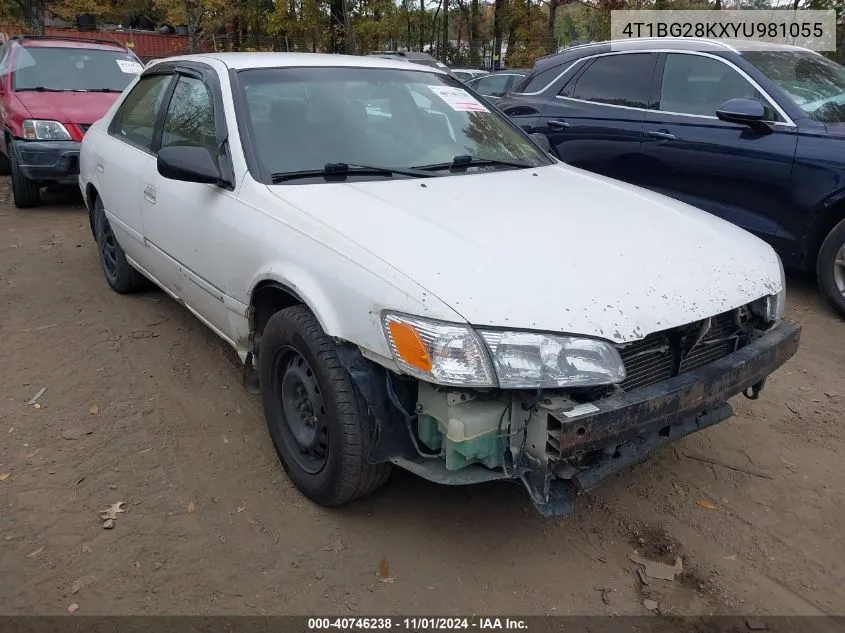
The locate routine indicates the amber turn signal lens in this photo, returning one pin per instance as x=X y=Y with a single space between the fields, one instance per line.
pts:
x=409 y=346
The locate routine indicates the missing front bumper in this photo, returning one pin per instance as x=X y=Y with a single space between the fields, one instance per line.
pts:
x=588 y=443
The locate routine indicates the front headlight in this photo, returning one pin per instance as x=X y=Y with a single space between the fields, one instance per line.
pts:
x=771 y=307
x=455 y=354
x=441 y=353
x=525 y=360
x=37 y=130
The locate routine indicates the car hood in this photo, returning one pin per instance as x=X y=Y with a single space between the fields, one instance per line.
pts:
x=553 y=248
x=67 y=107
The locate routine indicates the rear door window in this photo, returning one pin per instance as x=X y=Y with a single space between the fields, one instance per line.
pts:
x=622 y=80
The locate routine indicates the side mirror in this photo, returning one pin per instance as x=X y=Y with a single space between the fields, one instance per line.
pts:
x=188 y=163
x=744 y=111
x=542 y=140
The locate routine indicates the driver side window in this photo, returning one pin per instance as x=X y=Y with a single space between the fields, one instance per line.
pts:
x=190 y=116
x=698 y=85
x=135 y=121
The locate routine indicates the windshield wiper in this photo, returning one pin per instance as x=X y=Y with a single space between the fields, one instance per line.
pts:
x=103 y=90
x=40 y=89
x=345 y=169
x=465 y=160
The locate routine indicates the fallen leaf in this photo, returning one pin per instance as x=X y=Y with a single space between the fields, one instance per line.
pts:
x=94 y=409
x=73 y=608
x=36 y=406
x=707 y=505
x=240 y=509
x=384 y=568
x=35 y=552
x=191 y=507
x=108 y=524
x=5 y=476
x=81 y=583
x=113 y=510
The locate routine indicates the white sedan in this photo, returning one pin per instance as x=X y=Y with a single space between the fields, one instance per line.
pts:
x=410 y=279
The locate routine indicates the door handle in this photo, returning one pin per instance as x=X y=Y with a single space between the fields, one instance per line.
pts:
x=150 y=194
x=557 y=124
x=663 y=135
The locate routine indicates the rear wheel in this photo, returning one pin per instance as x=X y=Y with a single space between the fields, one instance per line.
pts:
x=26 y=192
x=119 y=272
x=830 y=268
x=318 y=421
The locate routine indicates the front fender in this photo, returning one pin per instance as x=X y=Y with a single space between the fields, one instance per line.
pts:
x=349 y=305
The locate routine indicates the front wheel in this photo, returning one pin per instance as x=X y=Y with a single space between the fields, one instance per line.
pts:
x=26 y=192
x=118 y=272
x=317 y=419
x=830 y=268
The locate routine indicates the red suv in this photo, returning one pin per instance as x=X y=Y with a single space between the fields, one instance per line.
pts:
x=51 y=90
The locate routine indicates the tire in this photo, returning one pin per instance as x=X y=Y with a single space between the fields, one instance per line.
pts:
x=830 y=275
x=25 y=192
x=322 y=439
x=118 y=272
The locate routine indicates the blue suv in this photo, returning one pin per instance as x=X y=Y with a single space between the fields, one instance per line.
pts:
x=752 y=133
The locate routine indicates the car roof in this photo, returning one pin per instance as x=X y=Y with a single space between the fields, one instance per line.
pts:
x=59 y=42
x=243 y=61
x=660 y=43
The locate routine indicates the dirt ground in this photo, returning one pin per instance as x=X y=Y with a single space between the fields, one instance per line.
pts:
x=144 y=405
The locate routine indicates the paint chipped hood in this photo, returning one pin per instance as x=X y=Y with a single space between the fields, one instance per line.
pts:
x=554 y=248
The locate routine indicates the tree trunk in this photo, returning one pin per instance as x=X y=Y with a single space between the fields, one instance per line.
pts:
x=511 y=39
x=445 y=50
x=338 y=26
x=551 y=40
x=498 y=24
x=473 y=35
x=718 y=5
x=422 y=24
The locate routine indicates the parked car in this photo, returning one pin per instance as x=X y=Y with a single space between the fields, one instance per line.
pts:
x=51 y=91
x=493 y=86
x=409 y=279
x=751 y=133
x=424 y=59
x=466 y=74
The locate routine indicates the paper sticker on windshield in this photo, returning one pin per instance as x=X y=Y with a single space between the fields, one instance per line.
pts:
x=129 y=67
x=458 y=99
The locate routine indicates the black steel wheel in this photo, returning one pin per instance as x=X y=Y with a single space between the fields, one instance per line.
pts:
x=319 y=422
x=304 y=413
x=118 y=272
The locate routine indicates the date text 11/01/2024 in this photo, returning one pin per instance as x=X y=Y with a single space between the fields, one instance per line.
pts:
x=416 y=624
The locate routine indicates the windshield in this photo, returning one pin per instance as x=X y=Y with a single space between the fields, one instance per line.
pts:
x=41 y=68
x=305 y=118
x=813 y=82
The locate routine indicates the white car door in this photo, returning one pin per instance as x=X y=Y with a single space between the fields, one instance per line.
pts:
x=123 y=154
x=185 y=222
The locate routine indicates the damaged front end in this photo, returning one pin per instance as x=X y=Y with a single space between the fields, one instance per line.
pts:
x=559 y=442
